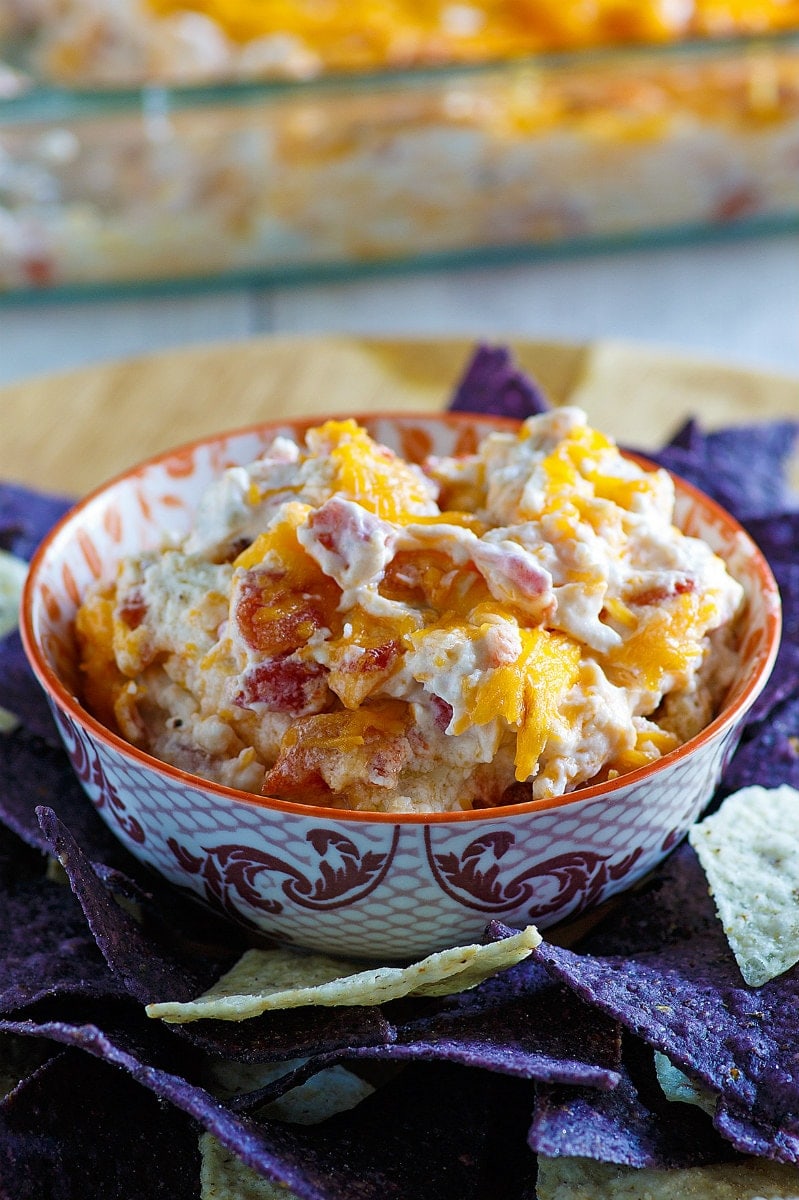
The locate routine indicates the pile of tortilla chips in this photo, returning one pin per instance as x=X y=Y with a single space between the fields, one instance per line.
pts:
x=148 y=1050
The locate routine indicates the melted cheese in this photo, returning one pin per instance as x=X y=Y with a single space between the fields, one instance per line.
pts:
x=364 y=633
x=358 y=33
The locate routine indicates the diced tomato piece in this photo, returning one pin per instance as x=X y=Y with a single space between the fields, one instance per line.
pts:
x=443 y=710
x=276 y=619
x=427 y=579
x=132 y=609
x=355 y=676
x=656 y=595
x=340 y=750
x=284 y=685
x=514 y=577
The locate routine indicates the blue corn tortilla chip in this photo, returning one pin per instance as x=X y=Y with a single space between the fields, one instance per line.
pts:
x=493 y=385
x=46 y=951
x=663 y=968
x=634 y=1125
x=516 y=1023
x=145 y=969
x=26 y=516
x=78 y=1128
x=769 y=755
x=296 y=1033
x=743 y=467
x=151 y=969
x=19 y=1058
x=777 y=533
x=688 y=437
x=778 y=537
x=782 y=684
x=33 y=773
x=467 y=1130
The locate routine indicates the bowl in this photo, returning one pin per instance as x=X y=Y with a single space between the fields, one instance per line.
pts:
x=357 y=883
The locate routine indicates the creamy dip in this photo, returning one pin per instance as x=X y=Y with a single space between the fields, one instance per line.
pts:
x=343 y=628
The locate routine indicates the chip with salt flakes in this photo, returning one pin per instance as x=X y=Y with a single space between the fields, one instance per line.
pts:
x=749 y=851
x=746 y=1179
x=264 y=980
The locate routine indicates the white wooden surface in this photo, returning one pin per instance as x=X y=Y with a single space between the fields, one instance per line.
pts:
x=734 y=302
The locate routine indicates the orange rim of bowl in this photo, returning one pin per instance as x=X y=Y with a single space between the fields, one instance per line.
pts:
x=64 y=699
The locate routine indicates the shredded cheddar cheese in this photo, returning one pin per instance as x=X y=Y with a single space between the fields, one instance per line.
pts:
x=525 y=693
x=370 y=474
x=359 y=34
x=341 y=633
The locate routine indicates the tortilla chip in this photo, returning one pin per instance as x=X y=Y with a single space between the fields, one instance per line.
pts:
x=634 y=1125
x=16 y=678
x=464 y=1126
x=749 y=851
x=12 y=576
x=679 y=1089
x=223 y=1176
x=782 y=683
x=46 y=952
x=664 y=969
x=492 y=385
x=20 y=692
x=516 y=1023
x=713 y=462
x=778 y=537
x=769 y=757
x=331 y=1090
x=264 y=980
x=746 y=1179
x=141 y=967
x=170 y=953
x=289 y=1033
x=26 y=516
x=78 y=1128
x=20 y=1057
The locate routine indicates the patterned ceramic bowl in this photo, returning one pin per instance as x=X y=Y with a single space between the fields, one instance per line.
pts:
x=360 y=883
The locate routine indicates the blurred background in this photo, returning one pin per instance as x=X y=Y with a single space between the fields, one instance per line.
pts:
x=185 y=171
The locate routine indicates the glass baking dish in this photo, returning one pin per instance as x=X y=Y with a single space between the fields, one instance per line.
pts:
x=158 y=187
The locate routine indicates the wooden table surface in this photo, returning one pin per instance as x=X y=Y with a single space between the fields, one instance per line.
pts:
x=71 y=431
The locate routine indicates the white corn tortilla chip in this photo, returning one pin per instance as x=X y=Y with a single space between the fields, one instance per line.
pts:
x=273 y=979
x=677 y=1087
x=749 y=851
x=223 y=1176
x=12 y=576
x=330 y=1091
x=584 y=1179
